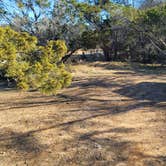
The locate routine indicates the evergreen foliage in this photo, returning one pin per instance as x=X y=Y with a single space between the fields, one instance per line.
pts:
x=32 y=66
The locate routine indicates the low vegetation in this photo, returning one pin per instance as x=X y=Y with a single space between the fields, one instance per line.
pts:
x=30 y=65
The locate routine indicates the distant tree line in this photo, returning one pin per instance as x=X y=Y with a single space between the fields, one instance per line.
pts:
x=125 y=30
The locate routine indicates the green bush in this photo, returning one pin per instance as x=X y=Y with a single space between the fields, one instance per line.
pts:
x=30 y=65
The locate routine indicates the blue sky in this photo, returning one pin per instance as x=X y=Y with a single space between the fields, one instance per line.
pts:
x=10 y=5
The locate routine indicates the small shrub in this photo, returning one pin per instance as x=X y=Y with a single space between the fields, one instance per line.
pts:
x=30 y=65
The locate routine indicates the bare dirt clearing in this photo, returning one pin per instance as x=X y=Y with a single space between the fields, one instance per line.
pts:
x=112 y=115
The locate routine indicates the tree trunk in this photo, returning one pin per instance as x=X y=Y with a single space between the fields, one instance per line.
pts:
x=106 y=54
x=66 y=57
x=115 y=52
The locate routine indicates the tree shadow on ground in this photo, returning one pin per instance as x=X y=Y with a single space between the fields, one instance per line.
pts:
x=126 y=152
x=4 y=86
x=153 y=91
x=103 y=82
x=24 y=144
x=148 y=69
x=97 y=105
x=63 y=98
x=104 y=149
x=98 y=111
x=137 y=68
x=112 y=66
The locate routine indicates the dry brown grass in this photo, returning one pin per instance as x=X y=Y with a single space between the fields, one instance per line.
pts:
x=112 y=115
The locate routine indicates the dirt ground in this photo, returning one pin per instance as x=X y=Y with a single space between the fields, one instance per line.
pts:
x=113 y=114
